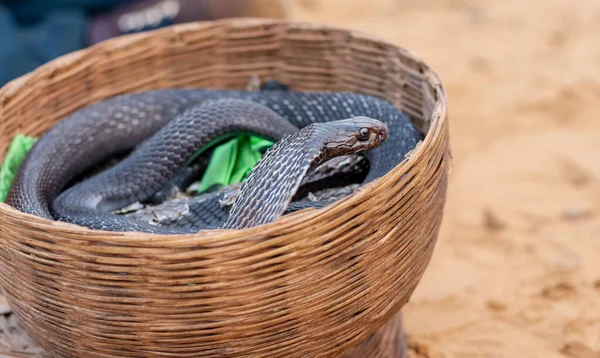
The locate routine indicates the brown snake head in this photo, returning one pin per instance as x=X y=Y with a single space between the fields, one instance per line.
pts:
x=353 y=135
x=283 y=167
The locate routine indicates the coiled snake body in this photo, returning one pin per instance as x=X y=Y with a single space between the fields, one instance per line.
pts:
x=144 y=120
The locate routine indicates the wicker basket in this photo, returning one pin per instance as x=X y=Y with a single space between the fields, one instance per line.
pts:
x=312 y=284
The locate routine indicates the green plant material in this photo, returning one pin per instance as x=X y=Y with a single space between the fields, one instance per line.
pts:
x=232 y=161
x=20 y=146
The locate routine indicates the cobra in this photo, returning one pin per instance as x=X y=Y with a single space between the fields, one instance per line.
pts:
x=332 y=124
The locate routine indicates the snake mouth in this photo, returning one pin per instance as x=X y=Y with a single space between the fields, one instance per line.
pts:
x=381 y=135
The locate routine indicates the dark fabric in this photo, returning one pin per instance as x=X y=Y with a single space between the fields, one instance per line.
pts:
x=31 y=11
x=33 y=32
x=144 y=15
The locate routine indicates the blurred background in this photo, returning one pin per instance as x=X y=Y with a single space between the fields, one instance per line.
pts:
x=516 y=272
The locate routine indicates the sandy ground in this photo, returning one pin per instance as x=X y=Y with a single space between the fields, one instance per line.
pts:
x=516 y=272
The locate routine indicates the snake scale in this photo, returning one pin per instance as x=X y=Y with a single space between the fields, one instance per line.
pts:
x=300 y=122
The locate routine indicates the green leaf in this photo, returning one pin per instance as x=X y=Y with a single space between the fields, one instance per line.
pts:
x=20 y=146
x=220 y=166
x=232 y=161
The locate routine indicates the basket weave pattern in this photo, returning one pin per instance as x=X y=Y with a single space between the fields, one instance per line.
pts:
x=313 y=283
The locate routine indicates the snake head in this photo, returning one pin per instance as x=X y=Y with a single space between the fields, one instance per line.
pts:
x=352 y=135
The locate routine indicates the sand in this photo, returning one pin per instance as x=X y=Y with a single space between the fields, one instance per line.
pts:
x=516 y=271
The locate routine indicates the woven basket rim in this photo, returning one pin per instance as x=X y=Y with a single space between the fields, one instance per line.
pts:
x=226 y=236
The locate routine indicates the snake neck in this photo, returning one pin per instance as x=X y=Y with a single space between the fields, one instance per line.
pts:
x=293 y=156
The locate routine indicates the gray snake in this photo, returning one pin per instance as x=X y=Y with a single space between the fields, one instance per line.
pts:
x=144 y=120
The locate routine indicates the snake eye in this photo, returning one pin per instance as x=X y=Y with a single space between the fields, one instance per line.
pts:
x=363 y=133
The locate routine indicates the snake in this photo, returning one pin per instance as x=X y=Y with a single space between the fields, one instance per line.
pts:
x=331 y=181
x=320 y=125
